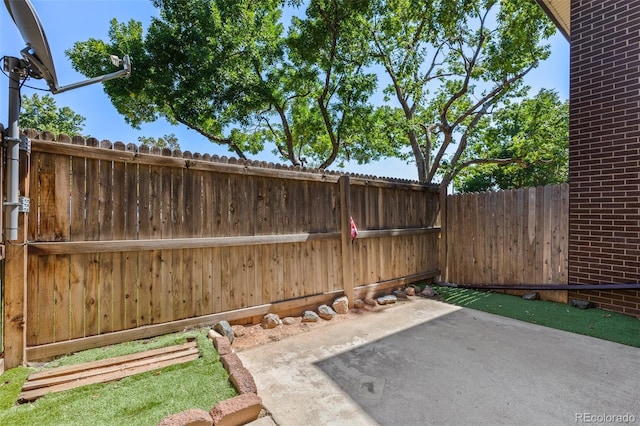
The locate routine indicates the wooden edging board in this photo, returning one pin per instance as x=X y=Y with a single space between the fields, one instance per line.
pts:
x=60 y=379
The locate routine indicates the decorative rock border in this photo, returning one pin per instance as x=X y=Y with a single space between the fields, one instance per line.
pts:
x=246 y=407
x=239 y=410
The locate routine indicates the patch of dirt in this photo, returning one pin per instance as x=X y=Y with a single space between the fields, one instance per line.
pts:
x=255 y=335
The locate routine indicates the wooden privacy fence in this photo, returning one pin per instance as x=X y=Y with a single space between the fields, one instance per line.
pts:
x=509 y=237
x=126 y=243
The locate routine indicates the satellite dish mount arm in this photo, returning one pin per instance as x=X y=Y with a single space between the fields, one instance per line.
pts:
x=124 y=72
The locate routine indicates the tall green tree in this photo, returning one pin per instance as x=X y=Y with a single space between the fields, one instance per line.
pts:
x=41 y=113
x=450 y=63
x=330 y=45
x=228 y=70
x=534 y=131
x=200 y=64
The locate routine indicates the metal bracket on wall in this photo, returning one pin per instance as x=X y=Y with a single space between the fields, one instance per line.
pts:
x=25 y=144
x=7 y=139
x=23 y=204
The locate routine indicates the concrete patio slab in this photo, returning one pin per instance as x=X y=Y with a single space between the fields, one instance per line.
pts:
x=424 y=362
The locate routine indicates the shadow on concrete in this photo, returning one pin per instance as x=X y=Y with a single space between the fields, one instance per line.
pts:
x=470 y=367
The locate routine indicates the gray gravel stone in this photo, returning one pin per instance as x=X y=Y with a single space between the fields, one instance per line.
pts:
x=387 y=300
x=270 y=321
x=326 y=312
x=224 y=328
x=310 y=316
x=341 y=305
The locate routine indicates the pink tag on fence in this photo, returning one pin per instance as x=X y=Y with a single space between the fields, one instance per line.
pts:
x=354 y=230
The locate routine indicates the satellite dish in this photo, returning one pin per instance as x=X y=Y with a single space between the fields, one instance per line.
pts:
x=37 y=54
x=37 y=62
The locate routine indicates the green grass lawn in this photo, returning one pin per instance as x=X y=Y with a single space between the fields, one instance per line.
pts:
x=143 y=399
x=590 y=322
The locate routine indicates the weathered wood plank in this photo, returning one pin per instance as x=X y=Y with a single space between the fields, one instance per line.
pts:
x=208 y=224
x=289 y=263
x=47 y=198
x=227 y=290
x=500 y=239
x=112 y=374
x=188 y=230
x=156 y=292
x=197 y=224
x=336 y=272
x=562 y=255
x=42 y=378
x=166 y=232
x=177 y=222
x=374 y=289
x=278 y=272
x=105 y=273
x=145 y=259
x=345 y=237
x=208 y=293
x=217 y=280
x=62 y=307
x=119 y=200
x=130 y=258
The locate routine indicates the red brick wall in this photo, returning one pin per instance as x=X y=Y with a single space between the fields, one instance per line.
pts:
x=604 y=150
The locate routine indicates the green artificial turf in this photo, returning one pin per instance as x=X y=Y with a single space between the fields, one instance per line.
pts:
x=143 y=399
x=590 y=322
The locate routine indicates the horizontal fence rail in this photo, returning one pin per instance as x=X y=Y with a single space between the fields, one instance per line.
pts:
x=123 y=240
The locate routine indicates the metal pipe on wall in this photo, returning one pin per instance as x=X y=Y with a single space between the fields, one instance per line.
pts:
x=13 y=66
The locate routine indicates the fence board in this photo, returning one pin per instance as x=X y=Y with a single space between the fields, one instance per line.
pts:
x=227 y=291
x=61 y=307
x=216 y=280
x=46 y=300
x=522 y=234
x=119 y=201
x=32 y=307
x=145 y=259
x=177 y=230
x=130 y=259
x=92 y=233
x=499 y=249
x=277 y=272
x=105 y=231
x=32 y=285
x=166 y=279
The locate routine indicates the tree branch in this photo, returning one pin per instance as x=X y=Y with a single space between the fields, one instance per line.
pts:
x=215 y=138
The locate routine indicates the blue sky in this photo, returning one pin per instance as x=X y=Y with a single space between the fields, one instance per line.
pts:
x=68 y=21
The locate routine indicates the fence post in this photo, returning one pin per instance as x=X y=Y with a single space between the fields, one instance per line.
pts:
x=443 y=261
x=345 y=235
x=15 y=282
